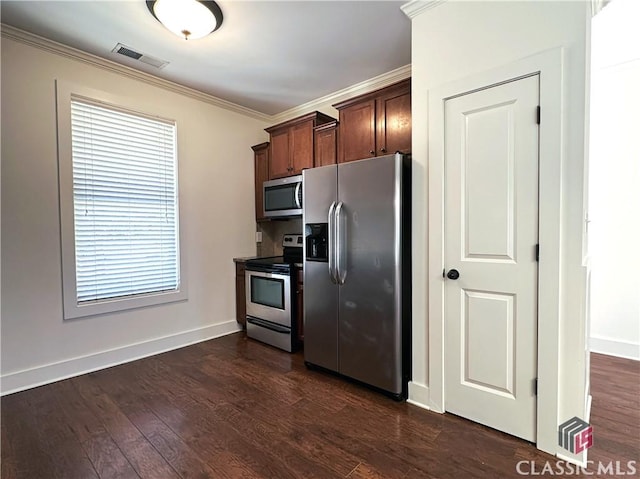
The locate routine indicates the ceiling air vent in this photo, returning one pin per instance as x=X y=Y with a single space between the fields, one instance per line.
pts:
x=131 y=53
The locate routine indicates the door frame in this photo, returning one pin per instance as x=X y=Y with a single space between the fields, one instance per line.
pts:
x=549 y=65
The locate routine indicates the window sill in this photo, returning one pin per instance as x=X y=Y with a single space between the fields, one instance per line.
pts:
x=75 y=310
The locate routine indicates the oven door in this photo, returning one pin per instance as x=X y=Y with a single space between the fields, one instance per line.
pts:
x=269 y=296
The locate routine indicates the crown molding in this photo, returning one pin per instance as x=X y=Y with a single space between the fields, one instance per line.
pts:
x=416 y=7
x=361 y=88
x=50 y=46
x=56 y=48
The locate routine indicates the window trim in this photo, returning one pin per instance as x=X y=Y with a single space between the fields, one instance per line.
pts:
x=71 y=309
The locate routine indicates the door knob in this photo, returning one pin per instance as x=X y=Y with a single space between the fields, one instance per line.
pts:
x=453 y=274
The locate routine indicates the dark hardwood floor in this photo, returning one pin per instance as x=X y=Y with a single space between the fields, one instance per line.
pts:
x=232 y=407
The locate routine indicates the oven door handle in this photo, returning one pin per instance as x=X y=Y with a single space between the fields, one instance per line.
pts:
x=267 y=271
x=332 y=243
x=268 y=325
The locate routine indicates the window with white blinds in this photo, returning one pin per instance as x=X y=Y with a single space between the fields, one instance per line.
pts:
x=125 y=210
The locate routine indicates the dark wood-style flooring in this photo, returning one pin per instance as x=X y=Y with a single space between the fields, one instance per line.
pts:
x=232 y=407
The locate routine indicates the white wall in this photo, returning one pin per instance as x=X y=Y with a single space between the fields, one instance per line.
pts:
x=614 y=181
x=455 y=40
x=216 y=221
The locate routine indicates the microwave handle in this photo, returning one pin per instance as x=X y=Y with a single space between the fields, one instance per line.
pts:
x=297 y=195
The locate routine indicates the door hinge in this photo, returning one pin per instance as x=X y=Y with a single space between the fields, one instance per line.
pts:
x=535 y=386
x=538 y=252
x=538 y=115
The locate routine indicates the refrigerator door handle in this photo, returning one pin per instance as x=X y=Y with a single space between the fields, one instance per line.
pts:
x=332 y=243
x=341 y=246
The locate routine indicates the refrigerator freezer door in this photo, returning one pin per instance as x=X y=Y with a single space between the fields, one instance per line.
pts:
x=319 y=189
x=370 y=305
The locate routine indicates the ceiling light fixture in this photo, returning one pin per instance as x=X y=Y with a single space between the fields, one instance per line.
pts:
x=189 y=19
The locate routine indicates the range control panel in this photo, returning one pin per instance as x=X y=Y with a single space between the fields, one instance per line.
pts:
x=292 y=241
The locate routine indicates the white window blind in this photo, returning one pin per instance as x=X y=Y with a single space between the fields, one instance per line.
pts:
x=125 y=203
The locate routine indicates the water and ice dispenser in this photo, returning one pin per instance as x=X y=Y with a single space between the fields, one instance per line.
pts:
x=316 y=237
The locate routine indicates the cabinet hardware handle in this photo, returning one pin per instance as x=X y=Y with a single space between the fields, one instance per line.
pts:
x=383 y=150
x=372 y=152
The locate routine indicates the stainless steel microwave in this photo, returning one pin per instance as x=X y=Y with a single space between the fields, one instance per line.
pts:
x=283 y=197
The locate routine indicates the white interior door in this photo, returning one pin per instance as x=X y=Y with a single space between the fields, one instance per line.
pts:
x=491 y=232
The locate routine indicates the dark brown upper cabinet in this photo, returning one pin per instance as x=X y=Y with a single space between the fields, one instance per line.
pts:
x=375 y=124
x=292 y=145
x=261 y=174
x=326 y=144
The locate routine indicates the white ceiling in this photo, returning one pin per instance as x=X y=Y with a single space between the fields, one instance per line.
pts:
x=268 y=56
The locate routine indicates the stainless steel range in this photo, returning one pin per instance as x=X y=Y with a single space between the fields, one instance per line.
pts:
x=270 y=298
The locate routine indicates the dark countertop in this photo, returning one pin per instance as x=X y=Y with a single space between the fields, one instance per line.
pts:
x=245 y=259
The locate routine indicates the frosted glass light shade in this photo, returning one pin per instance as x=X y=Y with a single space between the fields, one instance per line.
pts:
x=189 y=19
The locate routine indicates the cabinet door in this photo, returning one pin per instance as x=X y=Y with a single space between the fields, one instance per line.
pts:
x=279 y=161
x=394 y=123
x=326 y=147
x=261 y=165
x=301 y=145
x=241 y=305
x=357 y=132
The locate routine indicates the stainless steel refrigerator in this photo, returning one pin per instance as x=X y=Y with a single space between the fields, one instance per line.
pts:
x=357 y=289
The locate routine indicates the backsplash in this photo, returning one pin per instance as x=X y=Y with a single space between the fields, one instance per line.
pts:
x=272 y=233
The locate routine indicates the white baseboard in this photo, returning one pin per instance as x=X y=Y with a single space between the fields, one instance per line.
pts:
x=48 y=373
x=614 y=347
x=419 y=396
